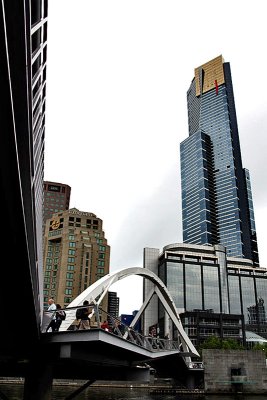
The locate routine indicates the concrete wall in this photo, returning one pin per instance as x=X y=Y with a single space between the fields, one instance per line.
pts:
x=222 y=367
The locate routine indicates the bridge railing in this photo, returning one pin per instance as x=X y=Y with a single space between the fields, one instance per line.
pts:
x=113 y=326
x=196 y=365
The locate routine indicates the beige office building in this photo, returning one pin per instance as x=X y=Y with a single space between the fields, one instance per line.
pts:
x=76 y=254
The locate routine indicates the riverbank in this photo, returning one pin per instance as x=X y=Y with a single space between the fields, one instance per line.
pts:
x=153 y=388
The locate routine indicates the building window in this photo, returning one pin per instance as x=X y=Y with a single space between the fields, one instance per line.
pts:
x=71 y=252
x=69 y=275
x=67 y=300
x=70 y=267
x=69 y=283
x=68 y=291
x=71 y=259
x=72 y=244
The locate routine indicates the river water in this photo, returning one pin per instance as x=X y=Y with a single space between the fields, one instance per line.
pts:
x=15 y=392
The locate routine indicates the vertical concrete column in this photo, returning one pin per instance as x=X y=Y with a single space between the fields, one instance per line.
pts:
x=166 y=324
x=220 y=252
x=150 y=315
x=38 y=381
x=190 y=381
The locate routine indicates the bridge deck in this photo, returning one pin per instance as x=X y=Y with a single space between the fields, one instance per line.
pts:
x=100 y=341
x=91 y=354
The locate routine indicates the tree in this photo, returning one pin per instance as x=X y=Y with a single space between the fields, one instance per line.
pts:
x=262 y=347
x=214 y=342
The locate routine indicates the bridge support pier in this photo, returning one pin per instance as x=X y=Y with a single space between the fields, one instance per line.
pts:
x=190 y=381
x=138 y=374
x=38 y=381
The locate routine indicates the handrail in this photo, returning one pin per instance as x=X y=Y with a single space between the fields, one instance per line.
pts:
x=116 y=327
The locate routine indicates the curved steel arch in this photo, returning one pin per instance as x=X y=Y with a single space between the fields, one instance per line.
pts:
x=100 y=288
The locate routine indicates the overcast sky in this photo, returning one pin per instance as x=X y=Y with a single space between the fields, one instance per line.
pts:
x=116 y=111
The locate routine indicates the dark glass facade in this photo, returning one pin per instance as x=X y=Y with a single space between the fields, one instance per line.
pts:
x=23 y=64
x=216 y=192
x=248 y=295
x=192 y=284
x=214 y=294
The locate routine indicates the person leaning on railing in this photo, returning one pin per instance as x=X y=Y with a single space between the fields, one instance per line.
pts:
x=105 y=326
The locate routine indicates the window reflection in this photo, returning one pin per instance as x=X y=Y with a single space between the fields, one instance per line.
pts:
x=193 y=287
x=211 y=288
x=175 y=283
x=234 y=294
x=261 y=286
x=248 y=299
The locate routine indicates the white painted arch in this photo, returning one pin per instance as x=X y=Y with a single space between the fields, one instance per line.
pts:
x=101 y=287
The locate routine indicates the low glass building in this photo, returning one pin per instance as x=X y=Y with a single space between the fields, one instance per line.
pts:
x=203 y=279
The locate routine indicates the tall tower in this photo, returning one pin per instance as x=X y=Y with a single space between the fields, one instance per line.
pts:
x=56 y=198
x=76 y=254
x=216 y=193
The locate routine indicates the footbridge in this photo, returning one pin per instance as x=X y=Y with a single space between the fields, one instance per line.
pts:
x=142 y=346
x=120 y=353
x=97 y=292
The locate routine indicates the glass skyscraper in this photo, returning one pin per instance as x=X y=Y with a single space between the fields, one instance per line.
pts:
x=216 y=193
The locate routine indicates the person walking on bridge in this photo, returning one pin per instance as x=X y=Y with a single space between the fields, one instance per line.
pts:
x=52 y=314
x=82 y=314
x=60 y=316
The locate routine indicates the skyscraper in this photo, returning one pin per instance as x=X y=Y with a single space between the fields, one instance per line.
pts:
x=56 y=198
x=76 y=254
x=216 y=193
